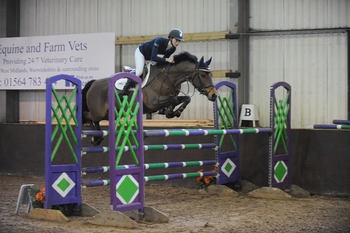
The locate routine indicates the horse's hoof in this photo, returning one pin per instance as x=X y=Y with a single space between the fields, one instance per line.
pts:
x=162 y=111
x=170 y=115
x=96 y=142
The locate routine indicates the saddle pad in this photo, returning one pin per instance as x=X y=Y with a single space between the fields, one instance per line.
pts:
x=120 y=83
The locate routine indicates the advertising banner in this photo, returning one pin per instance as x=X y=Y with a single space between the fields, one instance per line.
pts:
x=26 y=62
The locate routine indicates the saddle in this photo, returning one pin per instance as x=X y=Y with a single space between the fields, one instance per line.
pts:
x=144 y=77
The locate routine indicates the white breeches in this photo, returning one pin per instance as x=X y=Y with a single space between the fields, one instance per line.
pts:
x=139 y=62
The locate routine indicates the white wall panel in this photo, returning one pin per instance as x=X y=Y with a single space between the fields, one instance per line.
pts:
x=28 y=18
x=32 y=106
x=314 y=65
x=126 y=18
x=298 y=14
x=50 y=18
x=154 y=17
x=40 y=17
x=82 y=16
x=109 y=17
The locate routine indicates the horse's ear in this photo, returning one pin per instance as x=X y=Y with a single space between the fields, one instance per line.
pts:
x=208 y=62
x=200 y=63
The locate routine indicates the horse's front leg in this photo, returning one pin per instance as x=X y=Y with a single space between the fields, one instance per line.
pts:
x=172 y=103
x=185 y=100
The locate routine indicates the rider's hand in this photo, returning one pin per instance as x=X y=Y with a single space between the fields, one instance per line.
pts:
x=170 y=60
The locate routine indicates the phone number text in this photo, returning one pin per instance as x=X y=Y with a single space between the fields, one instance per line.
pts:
x=21 y=82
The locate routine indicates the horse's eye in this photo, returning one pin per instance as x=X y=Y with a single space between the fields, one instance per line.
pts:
x=203 y=75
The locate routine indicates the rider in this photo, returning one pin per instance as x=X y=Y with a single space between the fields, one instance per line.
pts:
x=150 y=50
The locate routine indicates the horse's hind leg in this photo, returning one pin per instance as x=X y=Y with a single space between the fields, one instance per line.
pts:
x=94 y=125
x=97 y=140
x=129 y=84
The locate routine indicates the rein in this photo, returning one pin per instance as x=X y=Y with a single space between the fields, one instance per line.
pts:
x=155 y=77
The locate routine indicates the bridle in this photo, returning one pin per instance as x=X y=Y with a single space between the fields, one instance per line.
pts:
x=202 y=90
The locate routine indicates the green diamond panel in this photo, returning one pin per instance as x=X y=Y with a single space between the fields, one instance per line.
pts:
x=281 y=171
x=127 y=189
x=63 y=184
x=228 y=167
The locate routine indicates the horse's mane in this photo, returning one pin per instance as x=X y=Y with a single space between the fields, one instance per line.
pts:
x=181 y=57
x=185 y=56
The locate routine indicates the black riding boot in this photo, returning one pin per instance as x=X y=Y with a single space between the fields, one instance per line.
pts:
x=129 y=84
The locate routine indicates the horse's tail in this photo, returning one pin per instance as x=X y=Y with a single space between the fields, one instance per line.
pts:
x=85 y=107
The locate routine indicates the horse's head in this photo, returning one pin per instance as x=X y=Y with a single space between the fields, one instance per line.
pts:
x=202 y=80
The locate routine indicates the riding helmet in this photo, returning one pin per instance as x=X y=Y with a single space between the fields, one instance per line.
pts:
x=177 y=34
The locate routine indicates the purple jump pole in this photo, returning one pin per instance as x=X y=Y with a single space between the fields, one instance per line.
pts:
x=203 y=132
x=151 y=166
x=341 y=122
x=156 y=177
x=331 y=126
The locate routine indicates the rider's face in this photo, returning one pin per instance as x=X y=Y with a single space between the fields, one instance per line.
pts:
x=175 y=42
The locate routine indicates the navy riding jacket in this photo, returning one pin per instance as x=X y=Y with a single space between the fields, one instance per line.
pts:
x=158 y=45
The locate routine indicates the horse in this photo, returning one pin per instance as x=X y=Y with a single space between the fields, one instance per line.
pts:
x=160 y=93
